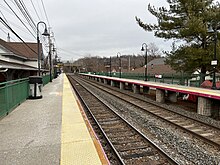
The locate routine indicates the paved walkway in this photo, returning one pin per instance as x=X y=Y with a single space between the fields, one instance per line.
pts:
x=32 y=133
x=25 y=134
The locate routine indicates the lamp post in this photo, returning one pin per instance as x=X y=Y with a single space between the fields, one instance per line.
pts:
x=38 y=42
x=110 y=67
x=214 y=62
x=144 y=47
x=119 y=56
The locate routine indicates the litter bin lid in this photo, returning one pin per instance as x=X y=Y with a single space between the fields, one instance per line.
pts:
x=35 y=79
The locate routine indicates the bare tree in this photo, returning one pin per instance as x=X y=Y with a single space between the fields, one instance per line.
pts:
x=153 y=50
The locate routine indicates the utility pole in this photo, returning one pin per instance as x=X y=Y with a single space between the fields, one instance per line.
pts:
x=55 y=62
x=50 y=59
x=129 y=63
x=110 y=67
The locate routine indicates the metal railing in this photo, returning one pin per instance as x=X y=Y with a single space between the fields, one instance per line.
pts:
x=12 y=93
x=46 y=79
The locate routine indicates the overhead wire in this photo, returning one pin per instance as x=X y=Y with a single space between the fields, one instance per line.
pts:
x=6 y=22
x=5 y=8
x=40 y=11
x=4 y=31
x=45 y=12
x=7 y=34
x=23 y=9
x=18 y=36
x=27 y=12
x=17 y=26
x=12 y=23
x=35 y=10
x=13 y=2
x=28 y=21
x=66 y=53
x=3 y=16
x=20 y=19
x=25 y=15
x=33 y=26
x=6 y=25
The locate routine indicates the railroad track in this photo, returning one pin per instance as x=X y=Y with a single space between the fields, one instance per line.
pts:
x=129 y=144
x=208 y=133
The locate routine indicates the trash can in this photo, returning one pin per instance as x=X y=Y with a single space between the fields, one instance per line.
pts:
x=36 y=84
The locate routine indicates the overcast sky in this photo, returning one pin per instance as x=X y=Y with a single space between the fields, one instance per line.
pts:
x=101 y=27
x=91 y=27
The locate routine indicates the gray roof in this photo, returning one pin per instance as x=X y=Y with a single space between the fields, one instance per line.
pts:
x=157 y=61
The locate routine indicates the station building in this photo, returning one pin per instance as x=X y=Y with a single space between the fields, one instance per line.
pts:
x=19 y=60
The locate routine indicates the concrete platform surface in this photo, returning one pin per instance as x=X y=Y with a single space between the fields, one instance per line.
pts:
x=31 y=134
x=50 y=131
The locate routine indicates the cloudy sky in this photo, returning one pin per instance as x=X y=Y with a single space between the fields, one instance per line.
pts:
x=88 y=27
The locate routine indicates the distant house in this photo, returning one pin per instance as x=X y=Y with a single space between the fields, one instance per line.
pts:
x=18 y=60
x=156 y=67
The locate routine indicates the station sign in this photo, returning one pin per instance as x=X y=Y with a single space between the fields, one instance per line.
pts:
x=158 y=76
x=214 y=62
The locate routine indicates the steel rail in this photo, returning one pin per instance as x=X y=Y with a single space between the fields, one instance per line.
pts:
x=170 y=122
x=83 y=102
x=164 y=154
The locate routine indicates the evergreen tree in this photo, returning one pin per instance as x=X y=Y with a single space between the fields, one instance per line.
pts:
x=188 y=21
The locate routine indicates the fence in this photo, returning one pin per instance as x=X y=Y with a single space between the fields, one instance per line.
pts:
x=46 y=79
x=13 y=93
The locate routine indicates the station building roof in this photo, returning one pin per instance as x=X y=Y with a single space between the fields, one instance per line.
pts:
x=26 y=51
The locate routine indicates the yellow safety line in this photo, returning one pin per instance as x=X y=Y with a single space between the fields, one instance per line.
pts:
x=99 y=149
x=77 y=147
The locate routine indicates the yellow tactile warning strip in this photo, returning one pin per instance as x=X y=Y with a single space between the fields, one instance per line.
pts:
x=96 y=142
x=77 y=146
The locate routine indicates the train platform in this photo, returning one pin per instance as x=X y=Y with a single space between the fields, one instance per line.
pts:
x=203 y=92
x=52 y=130
x=207 y=99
